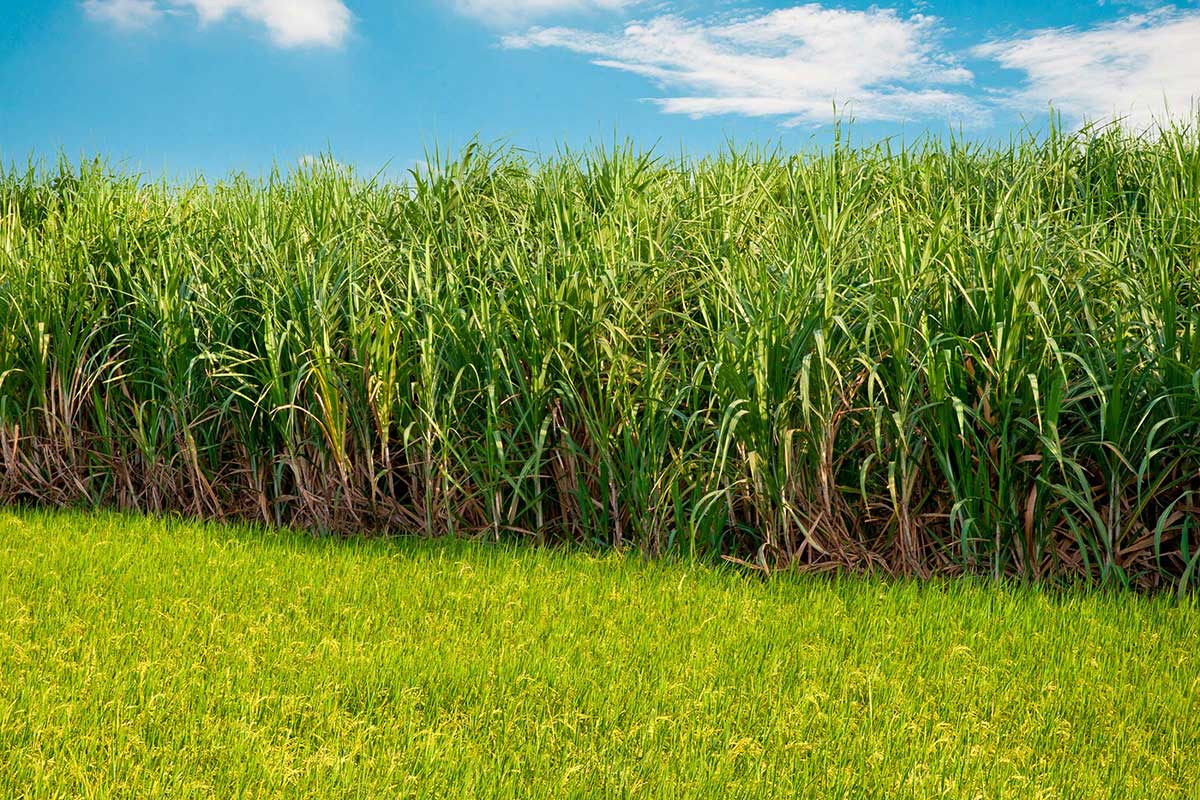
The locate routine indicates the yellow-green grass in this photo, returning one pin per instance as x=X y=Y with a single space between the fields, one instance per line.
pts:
x=142 y=658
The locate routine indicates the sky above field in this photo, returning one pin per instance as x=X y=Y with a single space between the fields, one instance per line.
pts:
x=179 y=86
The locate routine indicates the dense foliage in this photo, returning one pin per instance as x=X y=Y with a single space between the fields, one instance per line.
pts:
x=940 y=358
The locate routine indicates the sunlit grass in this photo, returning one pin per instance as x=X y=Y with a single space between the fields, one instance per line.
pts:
x=946 y=358
x=145 y=659
x=149 y=659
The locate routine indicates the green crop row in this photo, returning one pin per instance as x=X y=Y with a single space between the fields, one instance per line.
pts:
x=940 y=358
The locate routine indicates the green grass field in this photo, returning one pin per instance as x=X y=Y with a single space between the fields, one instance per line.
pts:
x=166 y=659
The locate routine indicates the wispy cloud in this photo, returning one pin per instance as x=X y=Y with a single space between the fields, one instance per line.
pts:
x=124 y=14
x=794 y=63
x=289 y=23
x=506 y=12
x=1142 y=68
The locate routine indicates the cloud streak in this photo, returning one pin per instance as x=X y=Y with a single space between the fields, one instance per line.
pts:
x=1142 y=68
x=288 y=23
x=793 y=63
x=123 y=14
x=507 y=12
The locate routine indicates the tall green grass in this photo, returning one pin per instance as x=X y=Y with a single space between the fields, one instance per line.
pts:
x=942 y=358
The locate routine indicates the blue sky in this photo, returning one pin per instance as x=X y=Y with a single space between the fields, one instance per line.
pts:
x=180 y=86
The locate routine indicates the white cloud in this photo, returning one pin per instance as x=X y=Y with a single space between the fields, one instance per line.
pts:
x=125 y=14
x=794 y=63
x=1140 y=68
x=501 y=12
x=289 y=23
